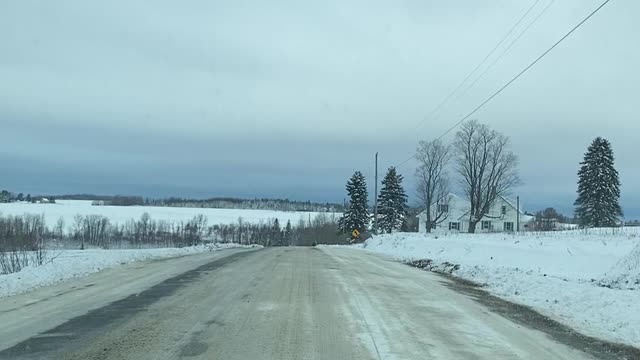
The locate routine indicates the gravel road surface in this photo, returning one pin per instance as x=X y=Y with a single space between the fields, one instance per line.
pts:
x=275 y=303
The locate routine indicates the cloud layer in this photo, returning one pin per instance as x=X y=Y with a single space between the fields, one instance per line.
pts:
x=286 y=98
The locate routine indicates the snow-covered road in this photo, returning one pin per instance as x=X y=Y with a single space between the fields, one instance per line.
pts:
x=63 y=265
x=37 y=311
x=276 y=303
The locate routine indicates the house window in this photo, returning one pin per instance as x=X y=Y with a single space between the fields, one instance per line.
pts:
x=443 y=208
x=504 y=210
x=454 y=226
x=508 y=226
x=486 y=225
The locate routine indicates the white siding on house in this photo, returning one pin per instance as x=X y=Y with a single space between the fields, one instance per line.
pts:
x=502 y=217
x=457 y=208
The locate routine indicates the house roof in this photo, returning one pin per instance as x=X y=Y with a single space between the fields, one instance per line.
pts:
x=510 y=202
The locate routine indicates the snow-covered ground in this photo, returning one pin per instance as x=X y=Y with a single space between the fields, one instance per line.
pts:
x=70 y=264
x=67 y=209
x=562 y=274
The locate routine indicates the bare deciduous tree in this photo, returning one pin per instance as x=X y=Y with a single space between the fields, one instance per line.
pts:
x=487 y=167
x=59 y=229
x=433 y=183
x=22 y=242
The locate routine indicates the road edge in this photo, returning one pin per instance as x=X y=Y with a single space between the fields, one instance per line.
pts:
x=527 y=316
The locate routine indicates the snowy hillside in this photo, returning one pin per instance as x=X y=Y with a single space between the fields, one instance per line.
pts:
x=67 y=209
x=587 y=280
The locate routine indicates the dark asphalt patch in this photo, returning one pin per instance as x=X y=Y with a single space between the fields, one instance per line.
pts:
x=528 y=317
x=193 y=349
x=215 y=322
x=74 y=330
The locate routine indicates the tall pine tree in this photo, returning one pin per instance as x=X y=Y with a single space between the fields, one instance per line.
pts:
x=276 y=234
x=392 y=202
x=356 y=215
x=598 y=187
x=288 y=234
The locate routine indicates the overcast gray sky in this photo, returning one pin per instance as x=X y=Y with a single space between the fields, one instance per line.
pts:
x=287 y=98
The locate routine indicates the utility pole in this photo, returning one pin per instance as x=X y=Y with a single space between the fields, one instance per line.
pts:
x=375 y=200
x=518 y=214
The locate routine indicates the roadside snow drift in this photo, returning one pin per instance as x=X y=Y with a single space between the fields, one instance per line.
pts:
x=70 y=264
x=589 y=281
x=626 y=273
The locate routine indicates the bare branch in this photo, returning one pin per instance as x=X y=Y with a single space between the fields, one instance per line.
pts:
x=433 y=182
x=487 y=167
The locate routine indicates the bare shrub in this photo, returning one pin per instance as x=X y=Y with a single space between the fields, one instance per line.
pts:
x=22 y=242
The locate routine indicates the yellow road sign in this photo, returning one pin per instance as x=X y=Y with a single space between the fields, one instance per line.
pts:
x=355 y=233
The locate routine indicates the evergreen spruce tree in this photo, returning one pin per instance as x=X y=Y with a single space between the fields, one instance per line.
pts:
x=598 y=187
x=288 y=234
x=5 y=196
x=356 y=215
x=392 y=202
x=276 y=234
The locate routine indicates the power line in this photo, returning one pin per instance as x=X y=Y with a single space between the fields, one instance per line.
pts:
x=514 y=78
x=506 y=50
x=444 y=101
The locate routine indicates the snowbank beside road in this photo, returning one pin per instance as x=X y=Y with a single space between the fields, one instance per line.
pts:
x=561 y=275
x=70 y=264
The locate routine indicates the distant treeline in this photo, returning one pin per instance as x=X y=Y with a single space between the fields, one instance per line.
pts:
x=9 y=197
x=216 y=203
x=97 y=230
x=24 y=239
x=256 y=204
x=115 y=200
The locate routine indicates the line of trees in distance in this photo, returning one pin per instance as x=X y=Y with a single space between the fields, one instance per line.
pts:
x=255 y=204
x=27 y=240
x=9 y=197
x=215 y=202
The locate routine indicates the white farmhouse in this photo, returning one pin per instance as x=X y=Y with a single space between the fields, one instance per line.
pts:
x=453 y=213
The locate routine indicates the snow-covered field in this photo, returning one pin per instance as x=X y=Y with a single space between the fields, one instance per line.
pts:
x=71 y=264
x=562 y=275
x=67 y=209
